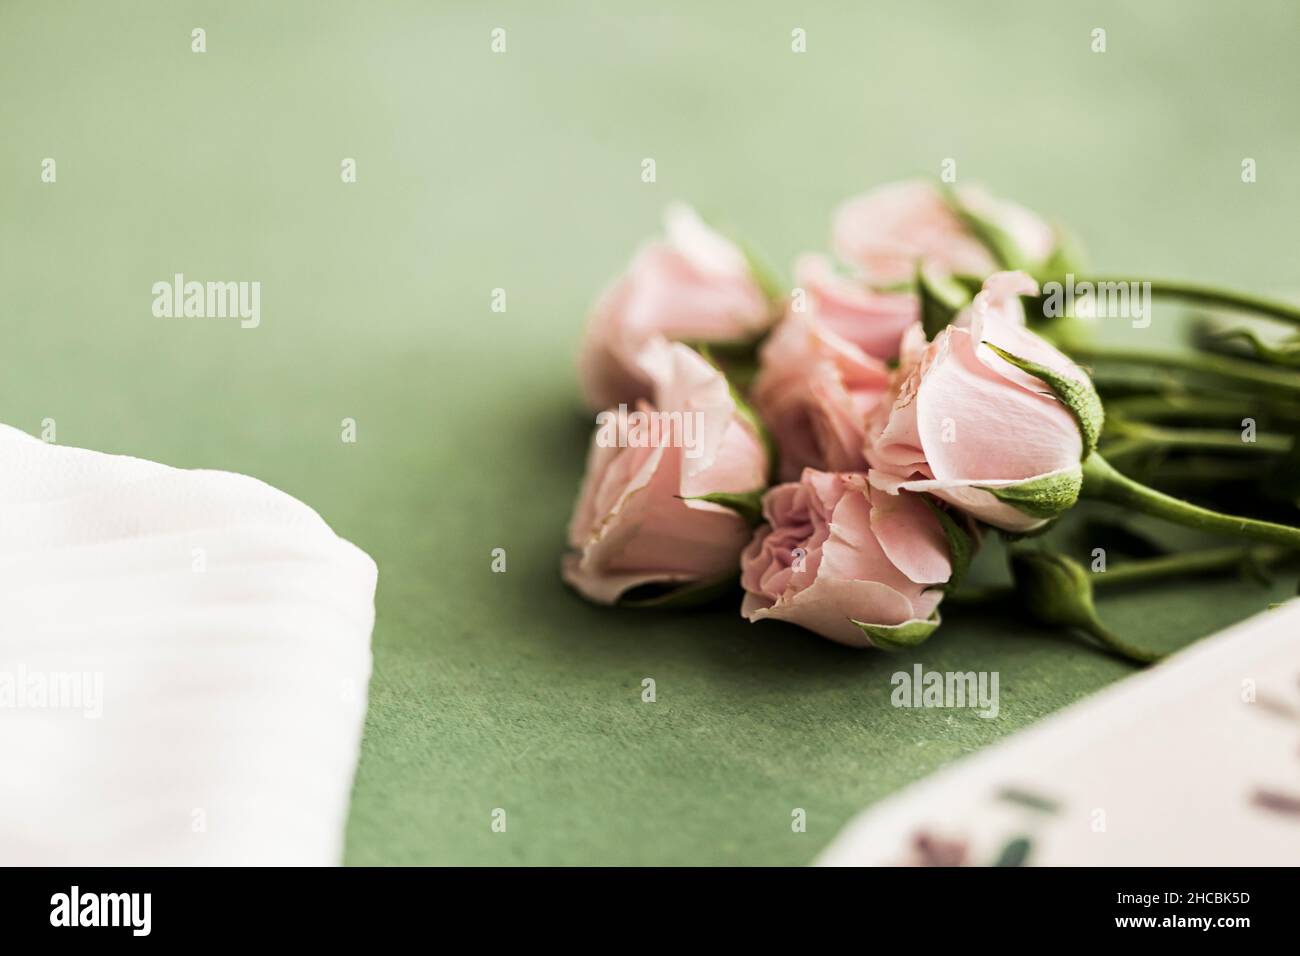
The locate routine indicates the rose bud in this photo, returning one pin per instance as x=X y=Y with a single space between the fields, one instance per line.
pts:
x=891 y=231
x=693 y=284
x=872 y=320
x=816 y=391
x=848 y=561
x=988 y=416
x=822 y=373
x=642 y=516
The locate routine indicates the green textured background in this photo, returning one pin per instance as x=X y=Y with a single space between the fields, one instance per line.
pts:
x=521 y=171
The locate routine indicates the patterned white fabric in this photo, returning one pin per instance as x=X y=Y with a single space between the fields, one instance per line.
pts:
x=1188 y=763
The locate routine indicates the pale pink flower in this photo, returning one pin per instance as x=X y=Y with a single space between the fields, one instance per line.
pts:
x=964 y=422
x=835 y=552
x=872 y=320
x=816 y=391
x=890 y=231
x=692 y=284
x=634 y=522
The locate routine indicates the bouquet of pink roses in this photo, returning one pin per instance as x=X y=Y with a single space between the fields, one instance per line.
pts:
x=841 y=446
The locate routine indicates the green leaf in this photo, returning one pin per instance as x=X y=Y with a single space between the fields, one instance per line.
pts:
x=1078 y=396
x=941 y=300
x=694 y=594
x=1044 y=497
x=747 y=504
x=898 y=637
x=960 y=546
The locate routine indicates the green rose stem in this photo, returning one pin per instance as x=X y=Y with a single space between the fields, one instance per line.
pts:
x=1117 y=645
x=1180 y=406
x=1211 y=296
x=1188 y=563
x=1237 y=371
x=1133 y=438
x=1057 y=591
x=1142 y=571
x=1101 y=482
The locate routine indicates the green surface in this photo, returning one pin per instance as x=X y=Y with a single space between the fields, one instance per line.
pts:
x=521 y=171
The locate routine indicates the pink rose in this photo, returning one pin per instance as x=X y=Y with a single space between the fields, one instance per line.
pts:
x=873 y=321
x=635 y=522
x=822 y=373
x=693 y=284
x=815 y=391
x=975 y=429
x=889 y=231
x=846 y=560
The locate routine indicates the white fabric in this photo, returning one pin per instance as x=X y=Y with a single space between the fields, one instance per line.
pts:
x=229 y=629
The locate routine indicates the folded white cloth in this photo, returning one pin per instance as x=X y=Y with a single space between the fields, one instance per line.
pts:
x=184 y=658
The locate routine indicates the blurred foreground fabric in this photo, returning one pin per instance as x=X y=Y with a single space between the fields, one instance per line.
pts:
x=184 y=661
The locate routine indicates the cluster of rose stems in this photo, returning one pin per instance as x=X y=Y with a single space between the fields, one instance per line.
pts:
x=1130 y=420
x=1137 y=425
x=1132 y=428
